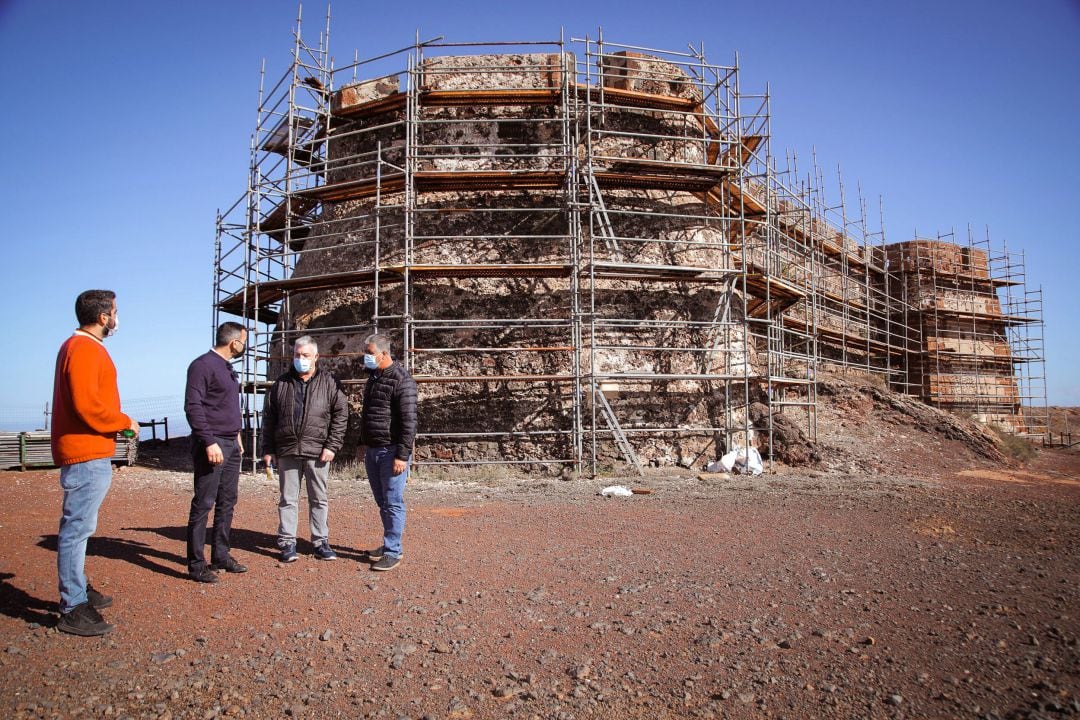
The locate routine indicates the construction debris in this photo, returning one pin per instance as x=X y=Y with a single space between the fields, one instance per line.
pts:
x=744 y=460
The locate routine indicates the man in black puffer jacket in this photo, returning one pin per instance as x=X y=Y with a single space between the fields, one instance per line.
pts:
x=304 y=420
x=388 y=431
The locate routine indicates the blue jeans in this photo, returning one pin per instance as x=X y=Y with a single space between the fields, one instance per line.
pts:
x=389 y=492
x=85 y=485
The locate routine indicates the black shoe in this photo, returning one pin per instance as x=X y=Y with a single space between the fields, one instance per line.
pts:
x=84 y=620
x=388 y=562
x=229 y=565
x=375 y=555
x=288 y=553
x=96 y=599
x=206 y=576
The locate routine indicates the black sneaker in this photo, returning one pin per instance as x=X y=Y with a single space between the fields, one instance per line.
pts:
x=96 y=599
x=387 y=562
x=323 y=552
x=375 y=555
x=206 y=576
x=288 y=553
x=84 y=620
x=229 y=565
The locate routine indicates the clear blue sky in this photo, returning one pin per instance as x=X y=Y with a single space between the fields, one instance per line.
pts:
x=127 y=125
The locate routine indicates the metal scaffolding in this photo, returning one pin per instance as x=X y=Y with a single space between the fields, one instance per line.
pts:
x=585 y=251
x=981 y=326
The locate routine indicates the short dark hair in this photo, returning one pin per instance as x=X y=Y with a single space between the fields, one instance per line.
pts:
x=92 y=303
x=227 y=332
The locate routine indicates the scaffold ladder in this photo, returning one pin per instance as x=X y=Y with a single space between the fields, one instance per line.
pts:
x=616 y=430
x=607 y=232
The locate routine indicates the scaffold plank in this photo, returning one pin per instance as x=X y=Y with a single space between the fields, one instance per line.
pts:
x=487 y=97
x=378 y=106
x=639 y=99
x=269 y=292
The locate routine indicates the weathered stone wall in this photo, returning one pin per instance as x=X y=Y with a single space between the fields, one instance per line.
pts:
x=954 y=387
x=936 y=256
x=529 y=71
x=965 y=355
x=512 y=326
x=625 y=70
x=926 y=294
x=968 y=346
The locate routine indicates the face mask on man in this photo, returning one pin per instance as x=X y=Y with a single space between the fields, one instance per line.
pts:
x=370 y=362
x=111 y=327
x=237 y=354
x=302 y=365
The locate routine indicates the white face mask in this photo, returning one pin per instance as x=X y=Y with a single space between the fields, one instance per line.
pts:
x=302 y=364
x=111 y=328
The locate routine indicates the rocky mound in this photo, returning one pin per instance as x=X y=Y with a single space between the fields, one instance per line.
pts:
x=865 y=427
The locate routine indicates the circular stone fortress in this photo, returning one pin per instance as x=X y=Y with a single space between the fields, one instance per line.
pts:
x=583 y=257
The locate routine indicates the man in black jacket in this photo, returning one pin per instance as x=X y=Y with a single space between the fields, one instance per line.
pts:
x=304 y=422
x=388 y=431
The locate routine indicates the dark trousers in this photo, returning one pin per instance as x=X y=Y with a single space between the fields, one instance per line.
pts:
x=215 y=488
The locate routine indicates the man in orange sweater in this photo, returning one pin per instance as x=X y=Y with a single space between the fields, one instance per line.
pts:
x=86 y=418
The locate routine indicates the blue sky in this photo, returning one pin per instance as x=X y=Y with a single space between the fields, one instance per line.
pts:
x=127 y=126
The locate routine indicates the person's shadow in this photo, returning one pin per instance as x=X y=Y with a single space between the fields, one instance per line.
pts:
x=253 y=541
x=132 y=551
x=174 y=565
x=21 y=605
x=241 y=539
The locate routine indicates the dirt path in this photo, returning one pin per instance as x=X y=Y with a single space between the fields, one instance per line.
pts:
x=779 y=596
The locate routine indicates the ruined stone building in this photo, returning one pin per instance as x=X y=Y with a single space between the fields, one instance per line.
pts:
x=587 y=254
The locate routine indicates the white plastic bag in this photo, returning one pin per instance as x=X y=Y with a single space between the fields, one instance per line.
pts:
x=616 y=491
x=747 y=461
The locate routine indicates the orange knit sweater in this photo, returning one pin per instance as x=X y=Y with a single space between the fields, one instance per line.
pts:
x=86 y=402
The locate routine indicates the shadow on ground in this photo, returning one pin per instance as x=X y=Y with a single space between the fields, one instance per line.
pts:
x=132 y=551
x=253 y=541
x=163 y=562
x=21 y=605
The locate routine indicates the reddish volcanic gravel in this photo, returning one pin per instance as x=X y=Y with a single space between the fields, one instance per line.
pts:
x=791 y=595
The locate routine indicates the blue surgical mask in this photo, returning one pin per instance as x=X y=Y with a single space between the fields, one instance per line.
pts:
x=370 y=362
x=302 y=364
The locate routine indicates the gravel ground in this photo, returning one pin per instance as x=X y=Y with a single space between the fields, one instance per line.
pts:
x=948 y=593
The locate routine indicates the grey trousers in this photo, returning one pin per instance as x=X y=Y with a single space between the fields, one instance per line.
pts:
x=291 y=470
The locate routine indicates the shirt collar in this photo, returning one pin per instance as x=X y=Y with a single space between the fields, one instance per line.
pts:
x=92 y=336
x=213 y=353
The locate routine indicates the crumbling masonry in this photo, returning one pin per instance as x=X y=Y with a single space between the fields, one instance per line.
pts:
x=586 y=255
